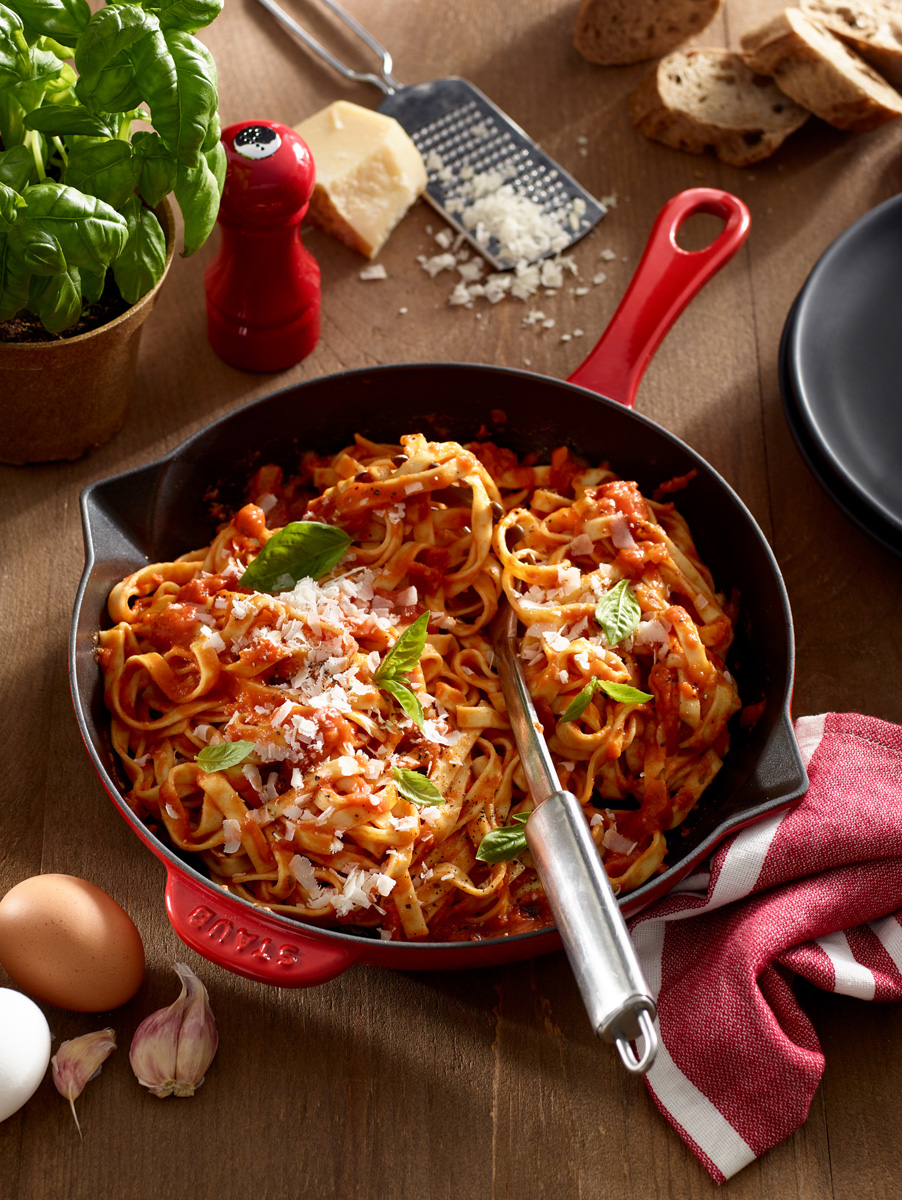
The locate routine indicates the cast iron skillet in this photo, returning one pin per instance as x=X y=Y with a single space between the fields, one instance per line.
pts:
x=159 y=511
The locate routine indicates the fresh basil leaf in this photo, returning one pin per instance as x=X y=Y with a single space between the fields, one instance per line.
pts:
x=12 y=114
x=198 y=191
x=10 y=203
x=223 y=755
x=505 y=843
x=187 y=15
x=106 y=169
x=301 y=550
x=110 y=31
x=59 y=88
x=580 y=703
x=157 y=167
x=400 y=660
x=15 y=279
x=92 y=285
x=63 y=19
x=621 y=692
x=113 y=88
x=198 y=94
x=57 y=48
x=215 y=159
x=16 y=167
x=11 y=62
x=406 y=652
x=142 y=262
x=41 y=252
x=60 y=119
x=43 y=70
x=416 y=787
x=405 y=697
x=214 y=133
x=56 y=299
x=177 y=78
x=10 y=22
x=90 y=232
x=618 y=612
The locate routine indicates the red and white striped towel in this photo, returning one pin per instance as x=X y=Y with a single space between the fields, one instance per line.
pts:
x=814 y=891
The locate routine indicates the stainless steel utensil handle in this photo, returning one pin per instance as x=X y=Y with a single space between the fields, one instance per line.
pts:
x=594 y=933
x=595 y=936
x=385 y=81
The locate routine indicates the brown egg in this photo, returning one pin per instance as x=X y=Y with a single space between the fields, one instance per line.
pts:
x=66 y=942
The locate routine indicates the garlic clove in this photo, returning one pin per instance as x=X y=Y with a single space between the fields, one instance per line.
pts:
x=198 y=1038
x=173 y=1048
x=154 y=1047
x=78 y=1061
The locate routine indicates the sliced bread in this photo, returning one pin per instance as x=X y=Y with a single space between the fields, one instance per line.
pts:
x=616 y=32
x=705 y=99
x=819 y=72
x=872 y=30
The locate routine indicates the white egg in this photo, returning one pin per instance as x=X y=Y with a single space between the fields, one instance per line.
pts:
x=24 y=1050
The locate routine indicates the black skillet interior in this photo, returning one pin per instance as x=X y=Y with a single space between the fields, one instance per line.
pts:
x=163 y=510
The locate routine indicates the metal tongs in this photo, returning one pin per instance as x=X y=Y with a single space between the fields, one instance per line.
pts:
x=595 y=936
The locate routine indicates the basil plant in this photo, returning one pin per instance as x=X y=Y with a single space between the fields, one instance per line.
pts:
x=87 y=152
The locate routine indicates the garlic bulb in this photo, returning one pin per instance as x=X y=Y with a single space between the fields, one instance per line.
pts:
x=79 y=1060
x=173 y=1047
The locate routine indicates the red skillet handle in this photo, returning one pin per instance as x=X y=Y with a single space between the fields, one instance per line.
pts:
x=246 y=942
x=665 y=281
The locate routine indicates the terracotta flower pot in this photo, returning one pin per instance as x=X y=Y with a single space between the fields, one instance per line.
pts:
x=62 y=398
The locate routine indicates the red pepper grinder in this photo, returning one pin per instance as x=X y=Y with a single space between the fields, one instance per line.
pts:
x=263 y=289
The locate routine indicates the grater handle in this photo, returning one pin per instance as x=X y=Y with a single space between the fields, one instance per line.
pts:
x=665 y=281
x=385 y=81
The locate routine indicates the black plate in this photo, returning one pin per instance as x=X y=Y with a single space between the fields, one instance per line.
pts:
x=841 y=372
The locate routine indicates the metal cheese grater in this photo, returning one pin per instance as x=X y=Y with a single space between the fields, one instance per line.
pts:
x=461 y=133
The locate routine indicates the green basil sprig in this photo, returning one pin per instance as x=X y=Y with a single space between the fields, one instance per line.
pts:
x=506 y=842
x=300 y=550
x=223 y=755
x=399 y=662
x=416 y=787
x=623 y=693
x=72 y=129
x=618 y=612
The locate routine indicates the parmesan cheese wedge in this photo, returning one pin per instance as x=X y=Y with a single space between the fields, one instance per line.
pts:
x=368 y=174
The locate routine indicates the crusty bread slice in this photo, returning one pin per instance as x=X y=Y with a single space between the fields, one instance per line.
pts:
x=706 y=99
x=873 y=30
x=819 y=72
x=615 y=32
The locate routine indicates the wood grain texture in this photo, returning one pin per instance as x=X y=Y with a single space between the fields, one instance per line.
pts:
x=485 y=1085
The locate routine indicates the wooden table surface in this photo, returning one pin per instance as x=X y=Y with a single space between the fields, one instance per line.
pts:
x=485 y=1085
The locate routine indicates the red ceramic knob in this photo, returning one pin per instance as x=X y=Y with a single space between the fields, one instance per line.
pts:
x=263 y=288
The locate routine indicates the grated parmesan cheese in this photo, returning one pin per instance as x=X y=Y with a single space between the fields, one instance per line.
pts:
x=232 y=832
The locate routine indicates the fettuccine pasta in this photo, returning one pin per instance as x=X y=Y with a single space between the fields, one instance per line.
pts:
x=336 y=748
